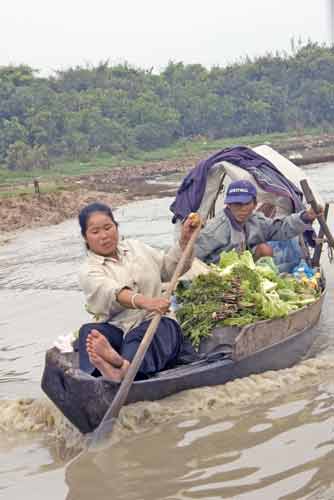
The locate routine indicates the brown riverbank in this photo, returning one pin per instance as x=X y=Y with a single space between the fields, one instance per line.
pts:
x=116 y=188
x=123 y=184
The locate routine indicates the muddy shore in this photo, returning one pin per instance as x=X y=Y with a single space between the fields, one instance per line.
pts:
x=116 y=188
x=124 y=184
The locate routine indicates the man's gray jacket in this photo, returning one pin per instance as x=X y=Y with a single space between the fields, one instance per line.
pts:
x=219 y=234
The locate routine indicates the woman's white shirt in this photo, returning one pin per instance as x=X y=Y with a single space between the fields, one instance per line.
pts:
x=139 y=267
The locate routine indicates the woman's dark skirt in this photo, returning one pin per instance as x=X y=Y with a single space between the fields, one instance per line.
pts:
x=168 y=346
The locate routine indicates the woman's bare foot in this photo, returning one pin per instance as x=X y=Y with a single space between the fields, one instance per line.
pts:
x=99 y=344
x=105 y=368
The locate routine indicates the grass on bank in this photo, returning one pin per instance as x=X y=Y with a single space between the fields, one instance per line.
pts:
x=8 y=191
x=182 y=149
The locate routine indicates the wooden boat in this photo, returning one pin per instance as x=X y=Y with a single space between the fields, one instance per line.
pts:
x=229 y=353
x=232 y=353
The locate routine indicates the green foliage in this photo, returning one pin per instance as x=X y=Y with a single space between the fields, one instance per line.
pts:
x=118 y=109
x=228 y=258
x=237 y=293
x=199 y=301
x=20 y=156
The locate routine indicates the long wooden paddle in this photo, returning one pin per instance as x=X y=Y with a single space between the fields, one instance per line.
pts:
x=111 y=414
x=320 y=241
x=309 y=196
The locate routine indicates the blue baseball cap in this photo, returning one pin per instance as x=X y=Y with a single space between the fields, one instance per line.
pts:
x=240 y=192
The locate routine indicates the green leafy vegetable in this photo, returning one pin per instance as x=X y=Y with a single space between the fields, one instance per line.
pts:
x=238 y=292
x=228 y=258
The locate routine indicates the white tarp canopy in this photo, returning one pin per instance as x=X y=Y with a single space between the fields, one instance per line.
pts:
x=232 y=173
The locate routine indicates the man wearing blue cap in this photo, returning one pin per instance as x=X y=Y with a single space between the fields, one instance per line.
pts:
x=239 y=227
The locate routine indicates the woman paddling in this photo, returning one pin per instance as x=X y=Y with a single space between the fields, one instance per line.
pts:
x=122 y=282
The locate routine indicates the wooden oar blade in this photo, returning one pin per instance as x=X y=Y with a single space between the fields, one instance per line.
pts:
x=97 y=440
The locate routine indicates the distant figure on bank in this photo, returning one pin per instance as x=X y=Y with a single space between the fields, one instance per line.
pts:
x=122 y=282
x=240 y=227
x=36 y=186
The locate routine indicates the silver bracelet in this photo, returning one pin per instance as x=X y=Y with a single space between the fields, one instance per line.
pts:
x=133 y=300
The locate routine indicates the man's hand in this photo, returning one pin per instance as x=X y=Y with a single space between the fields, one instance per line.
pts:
x=311 y=215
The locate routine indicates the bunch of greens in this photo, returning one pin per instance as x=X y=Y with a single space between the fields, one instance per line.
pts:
x=238 y=292
x=206 y=302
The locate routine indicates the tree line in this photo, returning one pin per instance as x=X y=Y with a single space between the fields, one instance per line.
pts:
x=121 y=109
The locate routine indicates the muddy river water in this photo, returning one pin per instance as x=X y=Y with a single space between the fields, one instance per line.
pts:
x=268 y=436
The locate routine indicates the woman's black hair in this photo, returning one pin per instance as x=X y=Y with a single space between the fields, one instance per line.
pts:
x=88 y=210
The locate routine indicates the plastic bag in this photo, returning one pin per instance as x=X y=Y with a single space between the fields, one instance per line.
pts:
x=287 y=254
x=303 y=270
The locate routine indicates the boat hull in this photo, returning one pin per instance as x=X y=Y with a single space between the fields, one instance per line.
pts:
x=266 y=345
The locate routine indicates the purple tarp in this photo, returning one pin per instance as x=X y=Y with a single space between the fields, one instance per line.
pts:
x=269 y=178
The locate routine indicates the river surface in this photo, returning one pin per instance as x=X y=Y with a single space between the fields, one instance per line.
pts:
x=268 y=436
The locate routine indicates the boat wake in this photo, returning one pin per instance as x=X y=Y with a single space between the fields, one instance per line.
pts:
x=41 y=415
x=252 y=390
